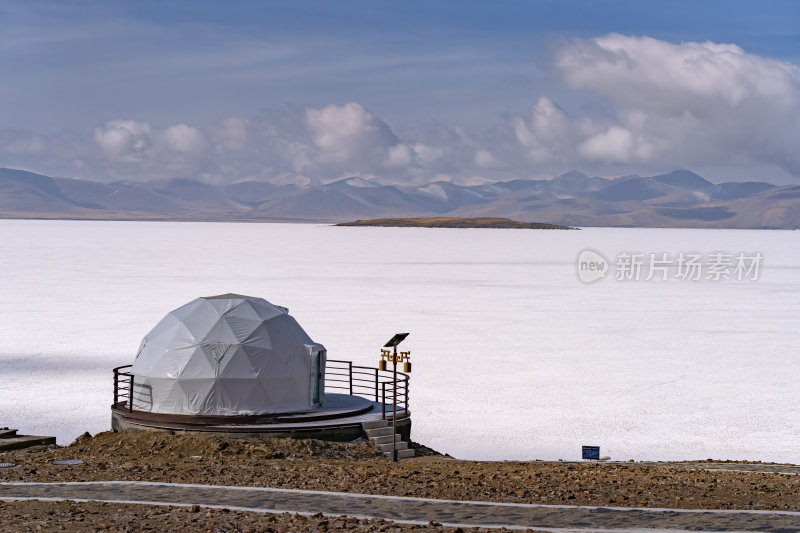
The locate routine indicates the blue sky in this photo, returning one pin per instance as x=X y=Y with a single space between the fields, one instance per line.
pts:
x=140 y=90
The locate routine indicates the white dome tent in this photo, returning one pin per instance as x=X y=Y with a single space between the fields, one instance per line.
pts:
x=228 y=355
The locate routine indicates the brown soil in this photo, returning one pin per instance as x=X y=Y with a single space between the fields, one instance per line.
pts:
x=317 y=465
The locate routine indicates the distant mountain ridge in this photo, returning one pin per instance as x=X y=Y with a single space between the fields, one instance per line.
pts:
x=679 y=198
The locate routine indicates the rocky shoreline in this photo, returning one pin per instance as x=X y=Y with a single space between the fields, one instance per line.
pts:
x=359 y=467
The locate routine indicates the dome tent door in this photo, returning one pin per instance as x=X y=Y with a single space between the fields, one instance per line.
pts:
x=318 y=359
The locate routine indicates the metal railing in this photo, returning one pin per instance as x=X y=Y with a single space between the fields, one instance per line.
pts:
x=368 y=382
x=364 y=381
x=123 y=388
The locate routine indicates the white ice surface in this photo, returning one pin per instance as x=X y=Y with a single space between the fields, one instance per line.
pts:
x=514 y=358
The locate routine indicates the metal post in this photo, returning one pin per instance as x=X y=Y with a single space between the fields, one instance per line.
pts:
x=394 y=405
x=383 y=404
x=376 y=385
x=116 y=387
x=385 y=354
x=130 y=396
x=350 y=366
x=406 y=395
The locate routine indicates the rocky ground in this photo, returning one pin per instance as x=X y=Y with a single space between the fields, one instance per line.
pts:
x=316 y=465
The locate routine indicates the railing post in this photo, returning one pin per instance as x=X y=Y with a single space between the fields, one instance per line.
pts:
x=116 y=387
x=383 y=404
x=130 y=396
x=350 y=366
x=376 y=385
x=406 y=394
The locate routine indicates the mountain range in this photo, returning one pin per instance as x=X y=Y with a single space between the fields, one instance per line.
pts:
x=677 y=199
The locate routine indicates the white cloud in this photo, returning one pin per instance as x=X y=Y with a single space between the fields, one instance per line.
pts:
x=615 y=145
x=671 y=105
x=342 y=131
x=646 y=73
x=139 y=149
x=428 y=155
x=124 y=140
x=350 y=138
x=689 y=103
x=182 y=140
x=549 y=136
x=661 y=105
x=399 y=156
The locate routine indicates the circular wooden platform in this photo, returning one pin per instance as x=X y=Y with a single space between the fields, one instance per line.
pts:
x=341 y=418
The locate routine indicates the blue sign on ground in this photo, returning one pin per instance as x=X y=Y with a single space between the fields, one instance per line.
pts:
x=590 y=452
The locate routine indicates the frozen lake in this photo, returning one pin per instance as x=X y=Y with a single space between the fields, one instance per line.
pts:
x=514 y=357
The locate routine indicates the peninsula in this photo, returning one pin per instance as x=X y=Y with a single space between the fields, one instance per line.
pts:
x=453 y=222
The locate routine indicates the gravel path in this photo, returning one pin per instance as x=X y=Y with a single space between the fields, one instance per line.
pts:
x=407 y=510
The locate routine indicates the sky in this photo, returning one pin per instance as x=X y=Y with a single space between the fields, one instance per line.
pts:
x=406 y=92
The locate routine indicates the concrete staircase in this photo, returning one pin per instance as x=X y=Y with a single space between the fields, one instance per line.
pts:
x=9 y=440
x=379 y=432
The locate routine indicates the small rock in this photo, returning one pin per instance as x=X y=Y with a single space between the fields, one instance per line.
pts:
x=82 y=438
